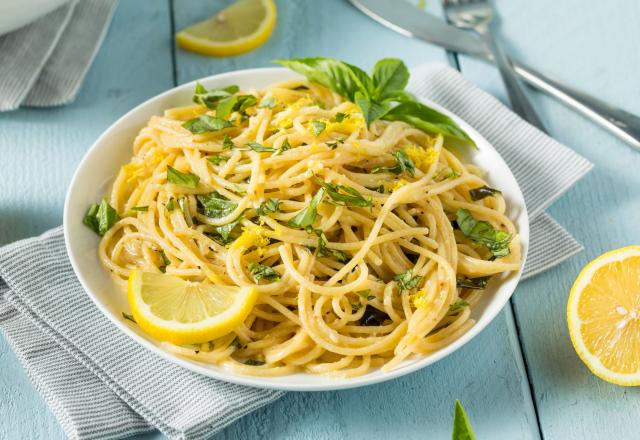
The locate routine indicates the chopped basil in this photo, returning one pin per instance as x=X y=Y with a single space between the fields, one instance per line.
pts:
x=217 y=160
x=482 y=192
x=284 y=147
x=460 y=304
x=215 y=205
x=269 y=206
x=307 y=216
x=171 y=204
x=188 y=180
x=406 y=281
x=129 y=317
x=343 y=195
x=234 y=103
x=324 y=251
x=227 y=143
x=333 y=145
x=206 y=124
x=262 y=272
x=236 y=343
x=317 y=127
x=165 y=261
x=373 y=316
x=182 y=203
x=140 y=208
x=101 y=218
x=268 y=102
x=403 y=163
x=209 y=98
x=228 y=233
x=260 y=148
x=365 y=294
x=472 y=283
x=483 y=233
x=341 y=116
x=254 y=362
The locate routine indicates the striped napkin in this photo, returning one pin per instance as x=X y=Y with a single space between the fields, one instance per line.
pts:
x=44 y=63
x=99 y=383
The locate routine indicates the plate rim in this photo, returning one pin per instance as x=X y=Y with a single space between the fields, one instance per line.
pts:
x=324 y=383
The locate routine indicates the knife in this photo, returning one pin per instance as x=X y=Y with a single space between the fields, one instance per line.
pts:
x=406 y=19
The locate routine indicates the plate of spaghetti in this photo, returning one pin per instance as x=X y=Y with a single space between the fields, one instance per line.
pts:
x=306 y=227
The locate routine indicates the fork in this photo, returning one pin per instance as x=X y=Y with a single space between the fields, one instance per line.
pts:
x=477 y=15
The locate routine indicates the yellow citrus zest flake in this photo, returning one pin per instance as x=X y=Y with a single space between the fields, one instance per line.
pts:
x=419 y=299
x=133 y=170
x=251 y=236
x=421 y=157
x=399 y=184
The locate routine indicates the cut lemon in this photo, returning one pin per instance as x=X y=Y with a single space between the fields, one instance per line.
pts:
x=182 y=312
x=239 y=28
x=603 y=315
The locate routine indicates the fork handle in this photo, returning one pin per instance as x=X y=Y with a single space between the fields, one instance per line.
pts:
x=519 y=101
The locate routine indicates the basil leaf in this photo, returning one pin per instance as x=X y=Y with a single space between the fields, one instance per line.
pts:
x=389 y=76
x=373 y=316
x=91 y=218
x=188 y=180
x=215 y=205
x=324 y=251
x=317 y=127
x=365 y=294
x=165 y=262
x=472 y=283
x=307 y=216
x=483 y=233
x=260 y=148
x=482 y=192
x=268 y=102
x=234 y=103
x=206 y=124
x=341 y=77
x=428 y=120
x=227 y=143
x=209 y=98
x=140 y=208
x=343 y=195
x=269 y=206
x=217 y=159
x=341 y=116
x=406 y=281
x=171 y=204
x=262 y=272
x=371 y=110
x=403 y=163
x=226 y=234
x=461 y=426
x=460 y=304
x=129 y=317
x=284 y=147
x=254 y=362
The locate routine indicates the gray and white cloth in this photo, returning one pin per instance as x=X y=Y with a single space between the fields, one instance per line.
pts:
x=101 y=384
x=44 y=63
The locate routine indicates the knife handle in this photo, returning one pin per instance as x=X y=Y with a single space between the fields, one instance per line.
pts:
x=621 y=123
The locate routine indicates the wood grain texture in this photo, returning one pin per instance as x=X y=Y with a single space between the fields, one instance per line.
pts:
x=592 y=48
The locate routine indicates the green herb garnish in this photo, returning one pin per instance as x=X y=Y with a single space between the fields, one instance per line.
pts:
x=317 y=127
x=215 y=205
x=100 y=218
x=472 y=283
x=262 y=272
x=165 y=261
x=344 y=195
x=129 y=317
x=268 y=102
x=254 y=362
x=228 y=233
x=260 y=148
x=140 y=208
x=406 y=280
x=235 y=103
x=171 y=204
x=188 y=180
x=269 y=206
x=206 y=124
x=461 y=426
x=217 y=160
x=483 y=233
x=460 y=304
x=307 y=216
x=227 y=143
x=482 y=192
x=324 y=251
x=209 y=98
x=341 y=116
x=403 y=163
x=365 y=294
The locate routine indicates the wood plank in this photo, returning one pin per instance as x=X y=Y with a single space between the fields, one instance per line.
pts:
x=487 y=375
x=593 y=48
x=40 y=149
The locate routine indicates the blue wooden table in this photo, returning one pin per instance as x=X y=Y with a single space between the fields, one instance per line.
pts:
x=520 y=379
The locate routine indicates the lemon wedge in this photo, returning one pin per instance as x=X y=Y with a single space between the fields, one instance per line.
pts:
x=243 y=26
x=182 y=312
x=603 y=315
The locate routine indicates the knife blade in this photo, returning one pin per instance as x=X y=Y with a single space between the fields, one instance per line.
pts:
x=406 y=19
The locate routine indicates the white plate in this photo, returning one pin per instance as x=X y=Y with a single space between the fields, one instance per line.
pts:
x=114 y=148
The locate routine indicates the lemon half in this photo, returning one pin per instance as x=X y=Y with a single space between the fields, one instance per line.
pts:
x=603 y=315
x=182 y=312
x=239 y=28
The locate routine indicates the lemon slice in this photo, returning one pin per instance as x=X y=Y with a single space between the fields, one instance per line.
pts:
x=603 y=315
x=182 y=312
x=239 y=28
